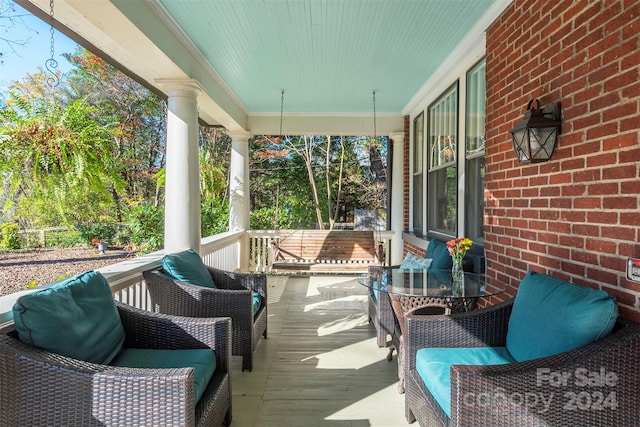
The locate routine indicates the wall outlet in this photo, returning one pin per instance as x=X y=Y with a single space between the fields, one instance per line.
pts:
x=633 y=269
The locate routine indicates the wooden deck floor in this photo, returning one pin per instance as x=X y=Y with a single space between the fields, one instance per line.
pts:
x=320 y=365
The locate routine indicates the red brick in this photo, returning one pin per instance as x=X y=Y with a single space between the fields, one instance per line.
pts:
x=618 y=233
x=620 y=202
x=603 y=188
x=630 y=218
x=587 y=203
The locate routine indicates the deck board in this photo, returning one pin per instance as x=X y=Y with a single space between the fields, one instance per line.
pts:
x=320 y=365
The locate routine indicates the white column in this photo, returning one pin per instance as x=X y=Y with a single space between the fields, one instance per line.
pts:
x=239 y=182
x=182 y=185
x=397 y=196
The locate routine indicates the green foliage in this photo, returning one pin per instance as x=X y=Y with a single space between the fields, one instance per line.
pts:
x=146 y=227
x=270 y=218
x=64 y=239
x=215 y=217
x=92 y=151
x=101 y=232
x=10 y=237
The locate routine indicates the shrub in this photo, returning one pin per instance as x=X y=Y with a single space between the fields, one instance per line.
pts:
x=214 y=218
x=10 y=238
x=101 y=232
x=146 y=227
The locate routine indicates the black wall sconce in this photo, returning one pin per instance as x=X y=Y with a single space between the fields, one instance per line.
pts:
x=534 y=138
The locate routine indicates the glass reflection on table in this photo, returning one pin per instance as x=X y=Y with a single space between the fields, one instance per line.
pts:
x=433 y=283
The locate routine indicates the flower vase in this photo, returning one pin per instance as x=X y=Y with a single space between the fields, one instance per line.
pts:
x=457 y=275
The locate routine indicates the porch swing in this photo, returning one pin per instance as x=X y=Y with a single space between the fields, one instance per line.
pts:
x=323 y=251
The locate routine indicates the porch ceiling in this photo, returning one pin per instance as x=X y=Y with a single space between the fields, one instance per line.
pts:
x=327 y=55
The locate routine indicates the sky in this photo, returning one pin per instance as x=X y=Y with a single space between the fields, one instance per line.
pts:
x=36 y=50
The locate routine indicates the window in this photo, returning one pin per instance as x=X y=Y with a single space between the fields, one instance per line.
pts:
x=474 y=167
x=448 y=171
x=418 y=175
x=442 y=174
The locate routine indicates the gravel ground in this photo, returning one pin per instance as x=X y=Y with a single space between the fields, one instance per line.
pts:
x=18 y=269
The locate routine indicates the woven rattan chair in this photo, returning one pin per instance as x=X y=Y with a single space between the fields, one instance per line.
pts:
x=42 y=388
x=494 y=395
x=232 y=297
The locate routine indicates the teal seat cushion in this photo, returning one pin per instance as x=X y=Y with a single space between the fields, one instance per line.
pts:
x=187 y=266
x=439 y=254
x=257 y=301
x=551 y=316
x=434 y=367
x=202 y=360
x=76 y=317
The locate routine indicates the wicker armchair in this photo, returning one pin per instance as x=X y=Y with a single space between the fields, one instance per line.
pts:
x=231 y=298
x=495 y=395
x=42 y=388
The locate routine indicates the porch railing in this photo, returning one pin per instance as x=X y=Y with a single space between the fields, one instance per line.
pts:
x=128 y=286
x=233 y=251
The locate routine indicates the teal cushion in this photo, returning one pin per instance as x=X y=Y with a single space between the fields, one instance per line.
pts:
x=76 y=318
x=257 y=301
x=187 y=266
x=202 y=360
x=414 y=262
x=551 y=316
x=434 y=367
x=439 y=254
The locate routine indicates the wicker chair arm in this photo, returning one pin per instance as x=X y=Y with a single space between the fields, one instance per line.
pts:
x=591 y=386
x=256 y=282
x=478 y=328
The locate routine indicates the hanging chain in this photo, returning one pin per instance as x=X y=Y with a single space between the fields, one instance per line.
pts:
x=375 y=132
x=51 y=64
x=281 y=110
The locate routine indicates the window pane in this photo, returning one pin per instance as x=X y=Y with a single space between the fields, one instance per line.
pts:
x=442 y=200
x=441 y=179
x=474 y=205
x=418 y=175
x=474 y=171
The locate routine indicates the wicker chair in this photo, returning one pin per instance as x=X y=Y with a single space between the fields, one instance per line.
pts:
x=42 y=388
x=231 y=298
x=570 y=404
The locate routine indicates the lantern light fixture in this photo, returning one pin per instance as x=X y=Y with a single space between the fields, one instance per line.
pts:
x=535 y=137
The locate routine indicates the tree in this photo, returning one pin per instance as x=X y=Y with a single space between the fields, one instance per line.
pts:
x=56 y=155
x=140 y=123
x=10 y=19
x=333 y=170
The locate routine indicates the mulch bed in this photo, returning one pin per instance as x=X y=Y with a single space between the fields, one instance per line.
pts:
x=26 y=268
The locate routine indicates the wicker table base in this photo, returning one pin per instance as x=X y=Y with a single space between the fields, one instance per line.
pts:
x=429 y=306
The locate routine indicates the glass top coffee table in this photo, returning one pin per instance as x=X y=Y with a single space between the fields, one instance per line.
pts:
x=437 y=285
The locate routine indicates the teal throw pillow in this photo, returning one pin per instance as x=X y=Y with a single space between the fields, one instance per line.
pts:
x=439 y=254
x=75 y=318
x=187 y=266
x=551 y=316
x=414 y=262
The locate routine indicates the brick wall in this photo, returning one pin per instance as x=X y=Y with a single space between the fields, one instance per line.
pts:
x=577 y=216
